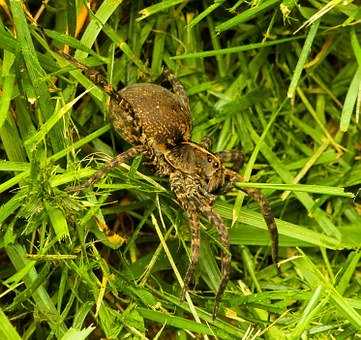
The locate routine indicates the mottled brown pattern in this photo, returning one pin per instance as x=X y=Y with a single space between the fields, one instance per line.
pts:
x=157 y=122
x=156 y=109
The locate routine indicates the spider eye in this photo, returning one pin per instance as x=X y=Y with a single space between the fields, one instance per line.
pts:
x=209 y=159
x=216 y=164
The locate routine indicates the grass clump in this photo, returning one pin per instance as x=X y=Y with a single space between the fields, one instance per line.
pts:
x=278 y=79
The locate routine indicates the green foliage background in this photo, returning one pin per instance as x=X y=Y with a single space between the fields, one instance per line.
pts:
x=278 y=79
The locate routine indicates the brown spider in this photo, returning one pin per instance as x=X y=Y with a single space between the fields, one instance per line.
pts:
x=157 y=122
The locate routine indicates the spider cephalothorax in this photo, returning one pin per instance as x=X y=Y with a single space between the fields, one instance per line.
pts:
x=157 y=122
x=192 y=159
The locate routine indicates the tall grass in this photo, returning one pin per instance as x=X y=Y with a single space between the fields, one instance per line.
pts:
x=278 y=79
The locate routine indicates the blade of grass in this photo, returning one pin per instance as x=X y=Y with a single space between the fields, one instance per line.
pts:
x=312 y=111
x=235 y=49
x=8 y=80
x=174 y=267
x=350 y=101
x=208 y=265
x=10 y=207
x=319 y=14
x=85 y=140
x=13 y=166
x=313 y=307
x=319 y=215
x=284 y=228
x=104 y=12
x=247 y=15
x=208 y=9
x=7 y=331
x=349 y=269
x=236 y=331
x=78 y=334
x=36 y=72
x=315 y=278
x=181 y=323
x=302 y=59
x=252 y=160
x=158 y=47
x=308 y=165
x=317 y=189
x=156 y=8
x=13 y=181
x=58 y=222
x=52 y=121
x=43 y=301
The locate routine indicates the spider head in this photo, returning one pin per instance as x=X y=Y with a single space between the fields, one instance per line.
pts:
x=193 y=159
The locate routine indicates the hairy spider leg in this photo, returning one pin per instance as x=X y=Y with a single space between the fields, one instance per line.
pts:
x=177 y=88
x=232 y=156
x=217 y=221
x=194 y=199
x=95 y=76
x=263 y=203
x=128 y=124
x=190 y=199
x=269 y=219
x=113 y=163
x=206 y=143
x=195 y=244
x=122 y=115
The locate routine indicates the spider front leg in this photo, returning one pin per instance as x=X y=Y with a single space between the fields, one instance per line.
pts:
x=236 y=157
x=217 y=221
x=257 y=196
x=186 y=190
x=269 y=219
x=113 y=163
x=192 y=195
x=195 y=245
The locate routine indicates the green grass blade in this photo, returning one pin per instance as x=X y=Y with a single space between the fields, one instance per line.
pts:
x=159 y=7
x=106 y=9
x=316 y=189
x=181 y=323
x=52 y=121
x=246 y=15
x=36 y=72
x=302 y=59
x=350 y=101
x=7 y=331
x=8 y=80
x=313 y=307
x=230 y=50
x=195 y=21
x=78 y=334
x=319 y=215
x=284 y=228
x=43 y=301
x=58 y=221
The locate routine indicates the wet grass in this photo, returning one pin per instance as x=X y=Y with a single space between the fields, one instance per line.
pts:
x=279 y=80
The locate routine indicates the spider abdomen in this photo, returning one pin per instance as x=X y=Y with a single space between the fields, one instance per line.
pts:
x=159 y=116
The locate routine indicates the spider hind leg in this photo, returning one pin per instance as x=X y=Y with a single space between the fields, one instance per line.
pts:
x=177 y=88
